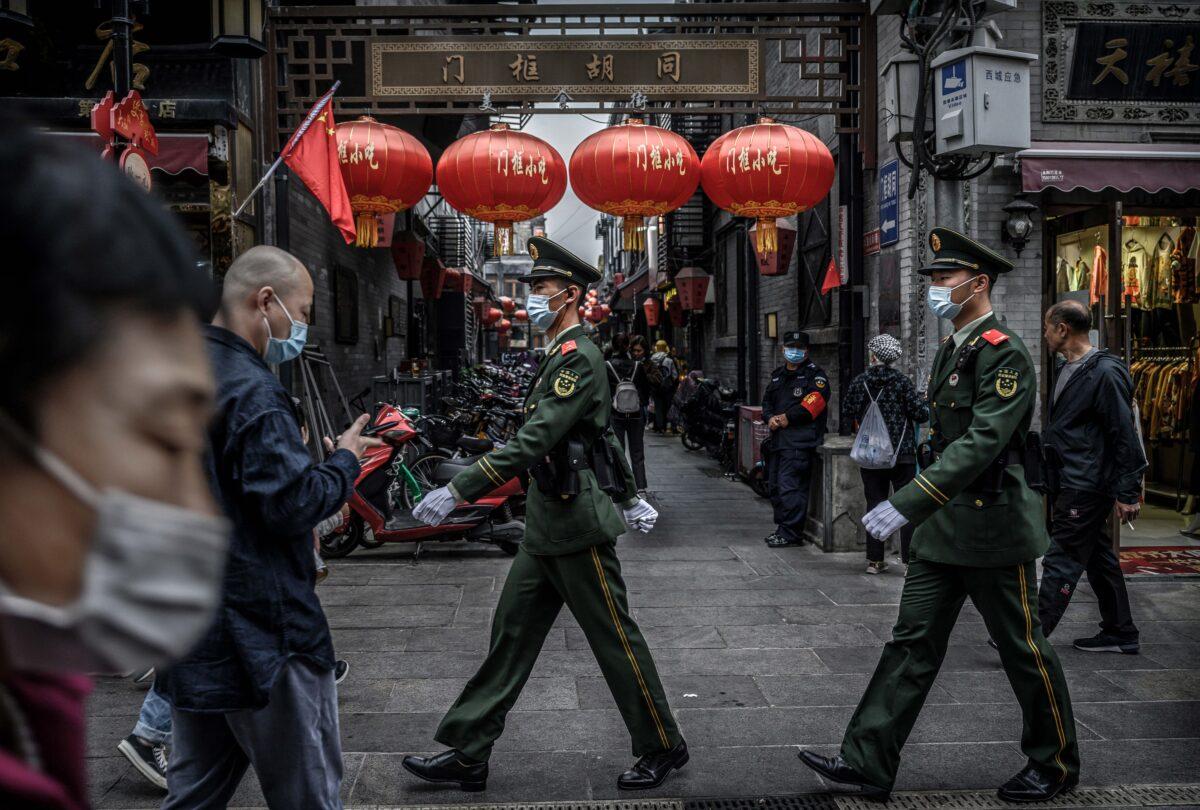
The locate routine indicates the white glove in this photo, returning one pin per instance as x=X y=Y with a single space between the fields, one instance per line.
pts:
x=881 y=521
x=641 y=516
x=435 y=506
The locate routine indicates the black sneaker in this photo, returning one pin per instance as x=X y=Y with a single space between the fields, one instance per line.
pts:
x=1104 y=642
x=149 y=758
x=340 y=670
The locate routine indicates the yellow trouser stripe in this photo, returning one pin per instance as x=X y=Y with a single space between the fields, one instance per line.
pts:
x=637 y=672
x=490 y=471
x=1037 y=656
x=927 y=491
x=933 y=486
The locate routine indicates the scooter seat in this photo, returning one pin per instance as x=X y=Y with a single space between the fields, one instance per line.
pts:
x=451 y=467
x=473 y=445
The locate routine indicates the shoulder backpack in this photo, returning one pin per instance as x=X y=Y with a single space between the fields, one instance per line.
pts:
x=873 y=449
x=654 y=375
x=625 y=399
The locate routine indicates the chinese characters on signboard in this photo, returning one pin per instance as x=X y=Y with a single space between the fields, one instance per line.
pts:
x=1135 y=61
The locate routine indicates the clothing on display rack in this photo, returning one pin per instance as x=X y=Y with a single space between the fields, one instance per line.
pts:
x=1099 y=282
x=1183 y=267
x=1163 y=380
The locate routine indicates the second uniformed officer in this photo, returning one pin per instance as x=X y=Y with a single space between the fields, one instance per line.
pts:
x=979 y=532
x=794 y=408
x=568 y=555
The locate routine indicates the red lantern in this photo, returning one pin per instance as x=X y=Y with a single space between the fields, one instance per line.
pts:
x=634 y=171
x=776 y=262
x=606 y=310
x=453 y=282
x=408 y=251
x=503 y=326
x=675 y=311
x=433 y=277
x=491 y=316
x=385 y=169
x=521 y=315
x=767 y=170
x=618 y=279
x=507 y=304
x=692 y=284
x=501 y=176
x=651 y=307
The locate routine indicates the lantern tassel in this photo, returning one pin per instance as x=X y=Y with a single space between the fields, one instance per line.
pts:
x=367 y=231
x=502 y=239
x=766 y=237
x=634 y=229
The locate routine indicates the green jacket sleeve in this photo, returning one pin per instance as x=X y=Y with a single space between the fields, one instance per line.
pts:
x=1005 y=391
x=568 y=394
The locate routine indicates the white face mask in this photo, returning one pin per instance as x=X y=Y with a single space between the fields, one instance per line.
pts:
x=538 y=309
x=942 y=305
x=151 y=583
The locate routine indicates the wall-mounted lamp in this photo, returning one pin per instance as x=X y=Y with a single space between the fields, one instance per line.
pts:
x=1018 y=225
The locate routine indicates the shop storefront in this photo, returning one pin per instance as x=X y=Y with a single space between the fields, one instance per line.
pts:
x=1120 y=236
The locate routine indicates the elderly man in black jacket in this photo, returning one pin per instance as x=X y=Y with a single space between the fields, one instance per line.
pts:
x=1097 y=461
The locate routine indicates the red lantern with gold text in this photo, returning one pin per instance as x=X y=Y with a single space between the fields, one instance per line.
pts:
x=652 y=309
x=501 y=176
x=386 y=170
x=767 y=170
x=634 y=171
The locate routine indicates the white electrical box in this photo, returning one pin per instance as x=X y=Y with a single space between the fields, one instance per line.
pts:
x=981 y=100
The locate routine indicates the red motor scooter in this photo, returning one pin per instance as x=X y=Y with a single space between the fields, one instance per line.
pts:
x=397 y=474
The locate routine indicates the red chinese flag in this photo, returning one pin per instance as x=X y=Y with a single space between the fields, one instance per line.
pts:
x=314 y=159
x=832 y=280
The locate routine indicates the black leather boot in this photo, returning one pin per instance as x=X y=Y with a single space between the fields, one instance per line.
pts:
x=651 y=770
x=449 y=767
x=1036 y=784
x=835 y=769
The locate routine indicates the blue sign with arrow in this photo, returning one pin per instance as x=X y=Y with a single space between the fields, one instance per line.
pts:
x=889 y=203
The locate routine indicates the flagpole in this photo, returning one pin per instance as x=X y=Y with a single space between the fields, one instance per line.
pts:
x=287 y=149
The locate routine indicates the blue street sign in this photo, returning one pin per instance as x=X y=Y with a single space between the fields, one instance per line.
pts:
x=889 y=203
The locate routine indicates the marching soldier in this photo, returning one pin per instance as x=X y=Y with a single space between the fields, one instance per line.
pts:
x=794 y=408
x=568 y=555
x=979 y=532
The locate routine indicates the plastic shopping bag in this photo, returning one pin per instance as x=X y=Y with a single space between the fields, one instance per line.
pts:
x=873 y=449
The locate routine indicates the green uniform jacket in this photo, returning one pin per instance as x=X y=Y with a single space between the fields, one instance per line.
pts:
x=569 y=397
x=977 y=412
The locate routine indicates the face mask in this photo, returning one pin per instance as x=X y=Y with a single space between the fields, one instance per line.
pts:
x=538 y=309
x=794 y=355
x=151 y=582
x=281 y=351
x=940 y=303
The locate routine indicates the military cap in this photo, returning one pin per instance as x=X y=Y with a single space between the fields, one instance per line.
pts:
x=552 y=260
x=953 y=251
x=796 y=338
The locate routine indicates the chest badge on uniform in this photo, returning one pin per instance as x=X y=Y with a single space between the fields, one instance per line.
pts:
x=1006 y=382
x=798 y=391
x=954 y=378
x=564 y=383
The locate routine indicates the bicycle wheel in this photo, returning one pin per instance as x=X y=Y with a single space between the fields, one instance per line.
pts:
x=422 y=470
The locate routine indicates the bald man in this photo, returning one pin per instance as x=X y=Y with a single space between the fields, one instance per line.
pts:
x=259 y=689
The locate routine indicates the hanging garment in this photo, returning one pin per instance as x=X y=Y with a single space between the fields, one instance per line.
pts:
x=1163 y=294
x=1183 y=267
x=1080 y=274
x=1098 y=285
x=1062 y=276
x=1137 y=266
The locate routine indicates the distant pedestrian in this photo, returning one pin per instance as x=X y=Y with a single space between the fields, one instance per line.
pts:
x=664 y=376
x=902 y=409
x=630 y=394
x=259 y=688
x=795 y=410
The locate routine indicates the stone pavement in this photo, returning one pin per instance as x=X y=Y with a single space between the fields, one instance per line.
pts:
x=761 y=651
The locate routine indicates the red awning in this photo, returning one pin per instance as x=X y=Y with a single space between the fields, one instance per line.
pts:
x=1150 y=167
x=176 y=152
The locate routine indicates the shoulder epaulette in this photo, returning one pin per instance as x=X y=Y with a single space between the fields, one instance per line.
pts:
x=569 y=346
x=994 y=337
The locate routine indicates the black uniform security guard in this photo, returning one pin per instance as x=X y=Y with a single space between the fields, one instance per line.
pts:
x=568 y=556
x=980 y=529
x=795 y=409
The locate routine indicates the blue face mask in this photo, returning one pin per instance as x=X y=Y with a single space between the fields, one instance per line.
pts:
x=538 y=309
x=942 y=305
x=281 y=351
x=794 y=356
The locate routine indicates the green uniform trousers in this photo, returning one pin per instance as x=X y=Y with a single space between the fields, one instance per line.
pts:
x=933 y=596
x=590 y=584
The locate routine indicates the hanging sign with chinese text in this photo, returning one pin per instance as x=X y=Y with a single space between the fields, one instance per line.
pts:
x=585 y=69
x=1121 y=63
x=889 y=203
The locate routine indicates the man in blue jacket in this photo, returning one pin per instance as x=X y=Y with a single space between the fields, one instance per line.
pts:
x=260 y=686
x=1096 y=462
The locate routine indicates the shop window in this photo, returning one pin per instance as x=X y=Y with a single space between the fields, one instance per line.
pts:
x=345 y=305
